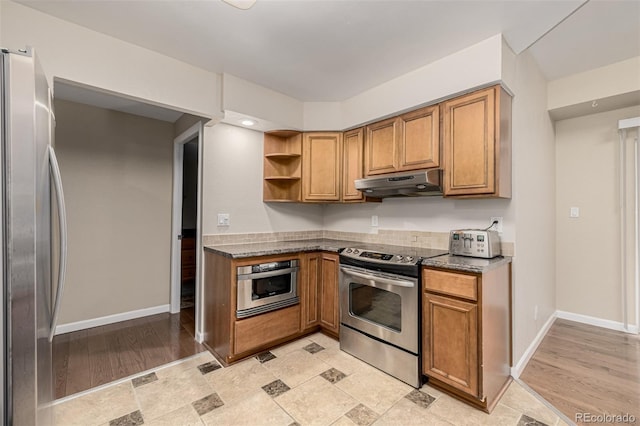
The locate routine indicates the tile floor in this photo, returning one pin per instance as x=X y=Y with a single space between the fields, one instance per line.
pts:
x=307 y=382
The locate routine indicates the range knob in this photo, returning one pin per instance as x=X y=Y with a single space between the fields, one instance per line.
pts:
x=356 y=251
x=399 y=257
x=409 y=259
x=349 y=250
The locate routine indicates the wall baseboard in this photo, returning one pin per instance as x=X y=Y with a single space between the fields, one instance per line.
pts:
x=110 y=319
x=524 y=360
x=598 y=322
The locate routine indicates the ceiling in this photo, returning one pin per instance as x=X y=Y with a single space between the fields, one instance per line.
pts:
x=323 y=50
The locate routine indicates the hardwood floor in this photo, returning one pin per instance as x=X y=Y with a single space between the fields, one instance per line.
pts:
x=580 y=368
x=89 y=358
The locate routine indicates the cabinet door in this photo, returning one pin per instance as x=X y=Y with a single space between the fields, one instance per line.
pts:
x=309 y=289
x=420 y=143
x=450 y=342
x=329 y=307
x=381 y=147
x=353 y=147
x=469 y=143
x=321 y=155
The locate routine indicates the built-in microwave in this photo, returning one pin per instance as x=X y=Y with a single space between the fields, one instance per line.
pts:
x=265 y=287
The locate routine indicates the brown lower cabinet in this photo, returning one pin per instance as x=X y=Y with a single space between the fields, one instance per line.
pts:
x=232 y=339
x=329 y=306
x=466 y=344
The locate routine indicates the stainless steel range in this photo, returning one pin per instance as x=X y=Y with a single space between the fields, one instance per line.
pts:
x=380 y=307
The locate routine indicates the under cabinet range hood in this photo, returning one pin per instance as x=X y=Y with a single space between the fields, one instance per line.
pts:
x=405 y=184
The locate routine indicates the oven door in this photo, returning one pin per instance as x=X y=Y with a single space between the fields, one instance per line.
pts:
x=380 y=304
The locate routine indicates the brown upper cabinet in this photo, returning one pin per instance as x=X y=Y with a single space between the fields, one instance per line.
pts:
x=313 y=167
x=282 y=166
x=469 y=137
x=381 y=147
x=407 y=142
x=352 y=164
x=477 y=144
x=331 y=161
x=322 y=164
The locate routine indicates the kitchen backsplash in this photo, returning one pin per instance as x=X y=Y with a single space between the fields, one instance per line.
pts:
x=438 y=240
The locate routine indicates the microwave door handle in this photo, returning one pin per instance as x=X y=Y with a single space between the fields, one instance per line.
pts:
x=267 y=274
x=373 y=279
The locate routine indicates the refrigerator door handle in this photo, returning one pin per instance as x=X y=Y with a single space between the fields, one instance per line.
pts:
x=62 y=219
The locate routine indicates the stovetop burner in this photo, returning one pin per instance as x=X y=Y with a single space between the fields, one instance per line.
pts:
x=399 y=256
x=384 y=258
x=379 y=257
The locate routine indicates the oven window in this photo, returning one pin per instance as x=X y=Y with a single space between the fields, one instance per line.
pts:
x=272 y=286
x=376 y=305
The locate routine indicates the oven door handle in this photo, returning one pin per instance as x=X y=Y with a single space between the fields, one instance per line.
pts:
x=373 y=279
x=267 y=274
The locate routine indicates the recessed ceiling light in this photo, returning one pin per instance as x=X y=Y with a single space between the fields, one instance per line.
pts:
x=247 y=122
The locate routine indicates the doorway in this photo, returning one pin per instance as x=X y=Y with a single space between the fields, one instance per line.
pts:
x=188 y=232
x=186 y=239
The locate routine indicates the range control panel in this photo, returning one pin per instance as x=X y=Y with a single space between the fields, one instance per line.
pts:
x=474 y=243
x=375 y=256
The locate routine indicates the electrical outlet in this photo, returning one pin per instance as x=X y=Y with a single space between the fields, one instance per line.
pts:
x=574 y=212
x=374 y=220
x=223 y=219
x=497 y=226
x=535 y=313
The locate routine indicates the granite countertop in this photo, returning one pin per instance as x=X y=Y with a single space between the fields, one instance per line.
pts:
x=442 y=260
x=239 y=251
x=466 y=264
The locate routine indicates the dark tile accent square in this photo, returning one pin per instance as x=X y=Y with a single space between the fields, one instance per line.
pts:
x=275 y=388
x=530 y=421
x=420 y=398
x=362 y=415
x=207 y=404
x=143 y=380
x=265 y=356
x=208 y=367
x=131 y=419
x=313 y=348
x=333 y=376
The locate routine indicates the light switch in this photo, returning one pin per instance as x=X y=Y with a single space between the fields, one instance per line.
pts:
x=575 y=212
x=223 y=219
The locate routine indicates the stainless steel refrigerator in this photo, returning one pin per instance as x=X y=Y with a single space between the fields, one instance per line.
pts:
x=33 y=232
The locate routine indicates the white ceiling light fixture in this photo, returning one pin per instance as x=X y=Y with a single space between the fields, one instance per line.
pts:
x=247 y=122
x=241 y=4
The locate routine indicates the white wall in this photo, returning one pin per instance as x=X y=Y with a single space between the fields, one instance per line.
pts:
x=78 y=54
x=435 y=214
x=116 y=171
x=611 y=80
x=248 y=98
x=588 y=248
x=232 y=183
x=528 y=216
x=442 y=78
x=534 y=202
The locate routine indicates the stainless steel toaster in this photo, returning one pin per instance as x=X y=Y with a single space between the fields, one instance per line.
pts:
x=474 y=243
